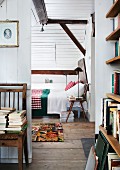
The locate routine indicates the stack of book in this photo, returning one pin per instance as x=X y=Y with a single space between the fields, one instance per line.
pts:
x=17 y=121
x=4 y=113
x=111 y=117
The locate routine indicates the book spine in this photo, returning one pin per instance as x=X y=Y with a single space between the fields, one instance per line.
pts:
x=112 y=83
x=119 y=125
x=115 y=124
x=116 y=21
x=116 y=83
x=116 y=48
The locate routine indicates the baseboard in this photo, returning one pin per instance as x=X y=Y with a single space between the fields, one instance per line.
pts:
x=13 y=160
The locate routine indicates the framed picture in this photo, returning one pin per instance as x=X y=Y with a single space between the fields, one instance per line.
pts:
x=9 y=33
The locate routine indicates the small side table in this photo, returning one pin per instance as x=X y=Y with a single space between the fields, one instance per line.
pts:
x=19 y=141
x=80 y=100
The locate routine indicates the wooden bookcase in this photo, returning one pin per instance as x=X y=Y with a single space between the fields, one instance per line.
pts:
x=113 y=142
x=114 y=96
x=114 y=35
x=113 y=60
x=113 y=12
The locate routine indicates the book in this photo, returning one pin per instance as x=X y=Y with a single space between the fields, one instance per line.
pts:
x=116 y=21
x=117 y=49
x=8 y=108
x=114 y=126
x=5 y=112
x=115 y=164
x=106 y=118
x=18 y=125
x=2 y=132
x=17 y=114
x=16 y=128
x=116 y=81
x=17 y=122
x=112 y=156
x=112 y=83
x=116 y=85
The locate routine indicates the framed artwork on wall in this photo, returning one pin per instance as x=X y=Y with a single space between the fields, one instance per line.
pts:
x=9 y=33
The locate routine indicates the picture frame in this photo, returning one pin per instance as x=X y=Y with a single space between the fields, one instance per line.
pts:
x=9 y=33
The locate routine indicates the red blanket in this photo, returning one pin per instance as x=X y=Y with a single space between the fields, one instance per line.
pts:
x=36 y=98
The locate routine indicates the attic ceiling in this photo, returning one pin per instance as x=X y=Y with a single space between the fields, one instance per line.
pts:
x=53 y=40
x=69 y=9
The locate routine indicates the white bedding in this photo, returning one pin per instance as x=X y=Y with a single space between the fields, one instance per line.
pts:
x=57 y=101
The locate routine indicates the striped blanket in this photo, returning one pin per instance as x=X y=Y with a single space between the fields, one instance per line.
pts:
x=36 y=98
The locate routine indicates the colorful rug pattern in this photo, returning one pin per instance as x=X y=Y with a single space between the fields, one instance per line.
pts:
x=47 y=132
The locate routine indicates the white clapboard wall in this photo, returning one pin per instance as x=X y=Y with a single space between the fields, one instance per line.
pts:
x=53 y=49
x=15 y=63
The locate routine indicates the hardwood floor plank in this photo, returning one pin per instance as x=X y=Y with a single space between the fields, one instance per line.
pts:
x=67 y=155
x=58 y=154
x=58 y=145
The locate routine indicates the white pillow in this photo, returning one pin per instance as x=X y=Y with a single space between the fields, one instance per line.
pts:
x=73 y=91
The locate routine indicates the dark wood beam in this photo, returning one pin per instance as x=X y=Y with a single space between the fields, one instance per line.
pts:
x=73 y=38
x=55 y=72
x=63 y=21
x=41 y=11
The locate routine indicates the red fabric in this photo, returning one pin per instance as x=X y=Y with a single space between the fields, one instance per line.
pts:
x=69 y=85
x=36 y=99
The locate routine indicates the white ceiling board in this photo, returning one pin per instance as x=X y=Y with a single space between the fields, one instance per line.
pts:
x=53 y=48
x=69 y=9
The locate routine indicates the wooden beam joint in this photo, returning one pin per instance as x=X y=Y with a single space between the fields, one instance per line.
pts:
x=63 y=21
x=73 y=38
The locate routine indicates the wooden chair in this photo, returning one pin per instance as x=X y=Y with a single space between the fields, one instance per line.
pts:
x=14 y=95
x=81 y=100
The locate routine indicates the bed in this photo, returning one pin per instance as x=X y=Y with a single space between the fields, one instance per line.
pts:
x=56 y=101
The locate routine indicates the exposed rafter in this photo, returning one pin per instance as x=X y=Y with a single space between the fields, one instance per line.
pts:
x=73 y=38
x=56 y=72
x=63 y=21
x=41 y=11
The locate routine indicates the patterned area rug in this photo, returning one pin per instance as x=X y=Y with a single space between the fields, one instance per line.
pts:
x=47 y=132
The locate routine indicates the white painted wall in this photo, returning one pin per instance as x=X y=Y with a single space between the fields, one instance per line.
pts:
x=15 y=63
x=92 y=84
x=53 y=48
x=103 y=51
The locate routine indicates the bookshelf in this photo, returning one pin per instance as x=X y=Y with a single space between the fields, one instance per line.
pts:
x=113 y=142
x=113 y=60
x=113 y=96
x=113 y=12
x=114 y=35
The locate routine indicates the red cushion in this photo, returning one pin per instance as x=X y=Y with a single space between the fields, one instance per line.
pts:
x=69 y=85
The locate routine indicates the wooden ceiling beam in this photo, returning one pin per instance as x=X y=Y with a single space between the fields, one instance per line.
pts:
x=54 y=72
x=73 y=38
x=63 y=21
x=41 y=11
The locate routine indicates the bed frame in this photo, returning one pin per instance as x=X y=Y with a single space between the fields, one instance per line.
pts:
x=83 y=78
x=14 y=96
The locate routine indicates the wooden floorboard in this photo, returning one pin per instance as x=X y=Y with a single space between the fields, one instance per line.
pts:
x=67 y=155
